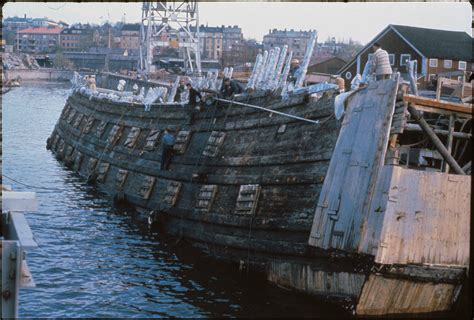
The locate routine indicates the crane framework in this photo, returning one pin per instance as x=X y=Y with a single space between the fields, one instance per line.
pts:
x=175 y=17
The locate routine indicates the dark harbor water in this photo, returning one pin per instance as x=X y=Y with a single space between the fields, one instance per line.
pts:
x=94 y=260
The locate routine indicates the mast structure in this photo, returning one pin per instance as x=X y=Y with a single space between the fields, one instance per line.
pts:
x=170 y=24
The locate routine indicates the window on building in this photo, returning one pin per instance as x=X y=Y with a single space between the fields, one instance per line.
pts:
x=448 y=64
x=462 y=65
x=431 y=76
x=348 y=75
x=404 y=58
x=391 y=58
x=433 y=63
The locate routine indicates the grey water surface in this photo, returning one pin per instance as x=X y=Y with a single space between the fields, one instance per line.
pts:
x=94 y=260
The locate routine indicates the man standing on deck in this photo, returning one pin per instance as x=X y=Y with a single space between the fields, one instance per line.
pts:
x=167 y=154
x=295 y=71
x=193 y=95
x=193 y=102
x=230 y=87
x=179 y=91
x=380 y=63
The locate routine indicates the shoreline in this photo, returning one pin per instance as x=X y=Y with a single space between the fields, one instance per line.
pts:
x=40 y=74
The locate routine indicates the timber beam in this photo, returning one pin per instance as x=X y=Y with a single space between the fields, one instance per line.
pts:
x=460 y=108
x=458 y=135
x=434 y=138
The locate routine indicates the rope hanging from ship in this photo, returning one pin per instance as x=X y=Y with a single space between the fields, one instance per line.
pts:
x=30 y=185
x=192 y=181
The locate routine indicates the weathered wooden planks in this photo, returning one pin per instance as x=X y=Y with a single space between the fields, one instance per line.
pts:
x=287 y=165
x=382 y=296
x=358 y=156
x=427 y=219
x=439 y=104
x=372 y=225
x=305 y=278
x=399 y=118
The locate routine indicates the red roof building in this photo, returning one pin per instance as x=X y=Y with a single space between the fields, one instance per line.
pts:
x=42 y=30
x=38 y=40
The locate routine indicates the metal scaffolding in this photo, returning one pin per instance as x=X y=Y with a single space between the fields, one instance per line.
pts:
x=177 y=18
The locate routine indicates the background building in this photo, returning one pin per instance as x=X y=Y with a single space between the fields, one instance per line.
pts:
x=232 y=35
x=17 y=22
x=241 y=53
x=328 y=65
x=77 y=39
x=45 y=22
x=297 y=41
x=211 y=41
x=38 y=40
x=130 y=36
x=436 y=51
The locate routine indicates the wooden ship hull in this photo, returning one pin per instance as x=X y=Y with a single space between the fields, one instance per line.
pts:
x=240 y=181
x=256 y=188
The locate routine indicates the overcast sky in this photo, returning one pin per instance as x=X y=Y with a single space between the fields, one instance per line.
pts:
x=360 y=21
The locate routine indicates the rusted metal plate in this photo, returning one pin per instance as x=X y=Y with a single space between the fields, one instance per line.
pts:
x=427 y=219
x=216 y=139
x=102 y=171
x=206 y=197
x=65 y=113
x=132 y=137
x=71 y=116
x=100 y=129
x=181 y=142
x=11 y=266
x=91 y=165
x=247 y=199
x=115 y=134
x=381 y=296
x=55 y=140
x=147 y=187
x=78 y=161
x=61 y=147
x=78 y=120
x=152 y=139
x=68 y=153
x=89 y=124
x=120 y=178
x=318 y=282
x=170 y=196
x=359 y=154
